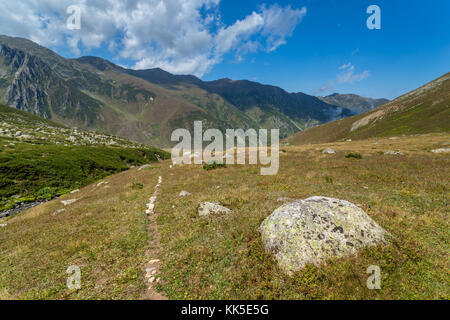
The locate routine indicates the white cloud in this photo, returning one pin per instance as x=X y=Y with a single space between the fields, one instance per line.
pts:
x=177 y=35
x=348 y=76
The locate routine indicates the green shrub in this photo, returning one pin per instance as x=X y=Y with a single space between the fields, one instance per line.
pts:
x=137 y=185
x=45 y=171
x=353 y=155
x=213 y=166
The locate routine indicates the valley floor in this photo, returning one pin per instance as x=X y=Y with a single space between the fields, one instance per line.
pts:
x=105 y=231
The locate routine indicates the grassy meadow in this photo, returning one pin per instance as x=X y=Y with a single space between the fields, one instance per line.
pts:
x=222 y=257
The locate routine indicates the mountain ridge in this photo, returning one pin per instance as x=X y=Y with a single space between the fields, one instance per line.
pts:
x=423 y=110
x=354 y=102
x=145 y=105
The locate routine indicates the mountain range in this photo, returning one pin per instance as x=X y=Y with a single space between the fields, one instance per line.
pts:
x=146 y=105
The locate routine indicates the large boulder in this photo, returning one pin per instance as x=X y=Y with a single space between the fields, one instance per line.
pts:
x=314 y=230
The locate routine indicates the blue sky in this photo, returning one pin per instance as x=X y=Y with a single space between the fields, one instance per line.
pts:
x=412 y=47
x=313 y=46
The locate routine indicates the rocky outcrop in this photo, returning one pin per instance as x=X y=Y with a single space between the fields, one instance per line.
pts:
x=314 y=230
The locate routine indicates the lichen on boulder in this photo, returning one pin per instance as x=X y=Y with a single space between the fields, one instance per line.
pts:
x=316 y=229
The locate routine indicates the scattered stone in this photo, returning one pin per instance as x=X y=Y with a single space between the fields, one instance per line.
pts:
x=153 y=261
x=442 y=150
x=211 y=208
x=394 y=153
x=151 y=280
x=314 y=230
x=445 y=143
x=394 y=138
x=184 y=194
x=329 y=151
x=75 y=191
x=68 y=202
x=101 y=183
x=58 y=212
x=349 y=140
x=3 y=225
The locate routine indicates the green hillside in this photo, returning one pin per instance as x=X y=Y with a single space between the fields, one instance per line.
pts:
x=40 y=159
x=424 y=110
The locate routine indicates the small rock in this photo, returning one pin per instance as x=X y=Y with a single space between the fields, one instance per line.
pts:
x=151 y=280
x=329 y=151
x=394 y=153
x=3 y=225
x=58 y=211
x=349 y=140
x=442 y=150
x=211 y=208
x=184 y=194
x=153 y=261
x=75 y=191
x=68 y=202
x=394 y=138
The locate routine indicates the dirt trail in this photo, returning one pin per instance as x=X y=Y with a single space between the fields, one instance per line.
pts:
x=152 y=253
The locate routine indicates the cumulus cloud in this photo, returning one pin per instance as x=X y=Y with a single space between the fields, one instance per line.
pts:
x=177 y=35
x=348 y=75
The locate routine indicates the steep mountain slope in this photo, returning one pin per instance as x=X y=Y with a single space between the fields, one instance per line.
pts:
x=254 y=97
x=144 y=105
x=424 y=110
x=353 y=102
